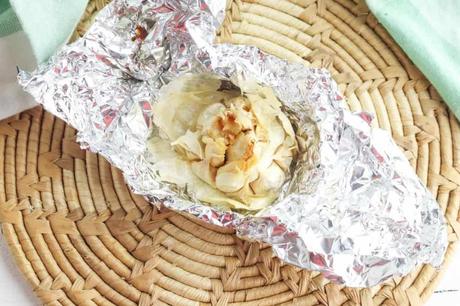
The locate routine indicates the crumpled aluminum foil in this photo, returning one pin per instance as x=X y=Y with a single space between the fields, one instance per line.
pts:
x=354 y=209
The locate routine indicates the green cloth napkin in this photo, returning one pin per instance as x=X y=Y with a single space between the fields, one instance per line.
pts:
x=47 y=23
x=429 y=32
x=9 y=23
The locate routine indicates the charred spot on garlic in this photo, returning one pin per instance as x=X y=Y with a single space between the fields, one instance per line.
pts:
x=140 y=33
x=229 y=148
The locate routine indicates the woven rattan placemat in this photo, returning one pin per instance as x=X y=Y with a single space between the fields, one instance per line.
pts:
x=81 y=238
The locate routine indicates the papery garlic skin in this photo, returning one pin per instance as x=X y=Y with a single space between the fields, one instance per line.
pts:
x=227 y=148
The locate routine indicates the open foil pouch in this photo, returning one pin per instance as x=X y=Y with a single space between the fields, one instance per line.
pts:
x=349 y=205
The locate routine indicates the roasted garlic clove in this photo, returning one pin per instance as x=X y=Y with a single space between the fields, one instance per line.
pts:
x=189 y=146
x=204 y=171
x=228 y=124
x=230 y=177
x=214 y=150
x=242 y=148
x=207 y=119
x=269 y=180
x=243 y=115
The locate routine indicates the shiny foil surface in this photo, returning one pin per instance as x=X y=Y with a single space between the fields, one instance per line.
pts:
x=353 y=209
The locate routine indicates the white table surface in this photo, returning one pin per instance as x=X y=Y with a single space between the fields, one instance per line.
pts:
x=14 y=51
x=15 y=291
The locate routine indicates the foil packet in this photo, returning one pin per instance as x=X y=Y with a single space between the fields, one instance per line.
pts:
x=354 y=208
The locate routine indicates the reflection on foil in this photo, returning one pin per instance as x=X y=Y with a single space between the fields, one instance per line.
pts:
x=354 y=210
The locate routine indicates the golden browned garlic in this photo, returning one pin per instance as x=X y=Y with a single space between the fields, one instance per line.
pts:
x=228 y=149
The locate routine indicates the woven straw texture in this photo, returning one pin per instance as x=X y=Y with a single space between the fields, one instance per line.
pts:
x=81 y=238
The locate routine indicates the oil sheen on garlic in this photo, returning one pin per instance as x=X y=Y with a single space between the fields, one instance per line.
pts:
x=227 y=148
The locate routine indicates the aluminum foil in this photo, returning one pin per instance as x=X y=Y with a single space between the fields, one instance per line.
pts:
x=354 y=208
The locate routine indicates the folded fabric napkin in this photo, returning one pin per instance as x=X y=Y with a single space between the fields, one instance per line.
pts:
x=9 y=22
x=30 y=32
x=48 y=23
x=429 y=32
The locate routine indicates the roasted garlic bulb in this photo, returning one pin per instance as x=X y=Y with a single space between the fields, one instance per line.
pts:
x=227 y=148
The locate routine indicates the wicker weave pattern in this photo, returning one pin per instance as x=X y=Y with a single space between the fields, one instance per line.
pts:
x=81 y=238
